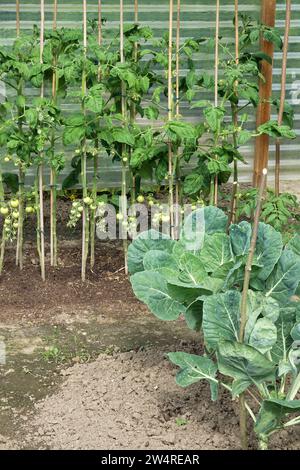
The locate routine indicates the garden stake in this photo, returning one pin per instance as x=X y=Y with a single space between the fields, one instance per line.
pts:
x=178 y=189
x=85 y=214
x=243 y=317
x=40 y=168
x=170 y=115
x=234 y=112
x=20 y=234
x=214 y=184
x=124 y=163
x=18 y=18
x=53 y=176
x=96 y=156
x=3 y=239
x=132 y=105
x=282 y=95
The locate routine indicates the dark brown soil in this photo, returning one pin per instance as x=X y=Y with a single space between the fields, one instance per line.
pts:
x=24 y=297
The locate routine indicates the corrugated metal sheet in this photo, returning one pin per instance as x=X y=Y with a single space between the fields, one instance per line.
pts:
x=197 y=19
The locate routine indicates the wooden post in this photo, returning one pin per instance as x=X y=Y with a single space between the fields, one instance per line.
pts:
x=268 y=13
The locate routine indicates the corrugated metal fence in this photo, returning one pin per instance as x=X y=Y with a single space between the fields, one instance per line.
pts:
x=197 y=19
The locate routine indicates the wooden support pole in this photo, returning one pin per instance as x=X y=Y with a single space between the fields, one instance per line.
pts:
x=268 y=14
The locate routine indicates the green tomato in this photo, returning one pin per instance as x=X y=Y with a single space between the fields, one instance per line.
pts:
x=80 y=209
x=29 y=210
x=15 y=214
x=140 y=198
x=88 y=201
x=14 y=203
x=15 y=225
x=4 y=211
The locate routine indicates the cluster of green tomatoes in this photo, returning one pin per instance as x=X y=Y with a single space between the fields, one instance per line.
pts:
x=11 y=214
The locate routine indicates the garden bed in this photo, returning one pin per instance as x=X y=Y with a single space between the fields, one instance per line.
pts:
x=130 y=401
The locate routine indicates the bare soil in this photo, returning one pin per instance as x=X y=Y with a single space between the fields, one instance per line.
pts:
x=116 y=400
x=131 y=401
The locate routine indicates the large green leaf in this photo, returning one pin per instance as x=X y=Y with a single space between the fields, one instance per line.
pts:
x=259 y=305
x=244 y=364
x=214 y=117
x=193 y=183
x=181 y=292
x=193 y=314
x=207 y=220
x=157 y=259
x=151 y=288
x=221 y=318
x=195 y=368
x=264 y=335
x=268 y=249
x=284 y=279
x=123 y=136
x=240 y=237
x=94 y=103
x=216 y=252
x=144 y=242
x=284 y=325
x=294 y=244
x=272 y=414
x=192 y=269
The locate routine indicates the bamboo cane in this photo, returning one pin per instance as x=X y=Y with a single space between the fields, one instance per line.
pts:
x=3 y=239
x=20 y=234
x=18 y=18
x=283 y=91
x=215 y=189
x=124 y=163
x=132 y=105
x=40 y=169
x=54 y=15
x=234 y=112
x=177 y=112
x=53 y=176
x=170 y=116
x=95 y=159
x=243 y=315
x=85 y=214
